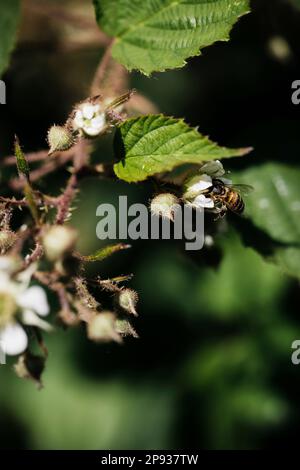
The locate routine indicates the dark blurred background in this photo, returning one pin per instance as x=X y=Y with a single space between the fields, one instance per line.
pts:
x=212 y=368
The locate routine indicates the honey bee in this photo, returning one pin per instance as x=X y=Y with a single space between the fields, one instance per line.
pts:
x=228 y=196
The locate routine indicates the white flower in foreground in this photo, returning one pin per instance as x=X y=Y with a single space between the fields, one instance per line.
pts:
x=89 y=119
x=196 y=187
x=19 y=304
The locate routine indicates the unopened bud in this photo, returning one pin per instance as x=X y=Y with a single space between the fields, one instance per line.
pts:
x=7 y=239
x=124 y=328
x=127 y=300
x=58 y=241
x=164 y=205
x=59 y=139
x=102 y=328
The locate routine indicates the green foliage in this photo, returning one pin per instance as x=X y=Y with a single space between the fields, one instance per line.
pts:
x=84 y=412
x=260 y=277
x=9 y=16
x=155 y=143
x=233 y=381
x=296 y=3
x=274 y=207
x=157 y=35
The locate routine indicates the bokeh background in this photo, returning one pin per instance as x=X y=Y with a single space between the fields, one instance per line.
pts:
x=212 y=368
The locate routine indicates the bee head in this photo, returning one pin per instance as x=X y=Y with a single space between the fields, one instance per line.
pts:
x=218 y=187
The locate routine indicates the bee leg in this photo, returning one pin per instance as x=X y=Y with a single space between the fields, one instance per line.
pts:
x=220 y=209
x=221 y=214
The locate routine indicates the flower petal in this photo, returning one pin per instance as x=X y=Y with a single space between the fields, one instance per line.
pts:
x=196 y=185
x=78 y=121
x=202 y=201
x=92 y=131
x=32 y=319
x=24 y=277
x=98 y=121
x=34 y=299
x=13 y=339
x=88 y=111
x=4 y=282
x=9 y=264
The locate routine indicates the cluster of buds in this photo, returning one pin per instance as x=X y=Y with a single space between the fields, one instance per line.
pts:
x=90 y=118
x=114 y=325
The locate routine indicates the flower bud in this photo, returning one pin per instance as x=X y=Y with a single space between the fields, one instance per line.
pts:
x=127 y=300
x=60 y=138
x=102 y=328
x=58 y=241
x=124 y=328
x=7 y=239
x=164 y=205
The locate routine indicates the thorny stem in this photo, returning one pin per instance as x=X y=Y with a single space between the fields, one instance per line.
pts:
x=35 y=255
x=66 y=200
x=80 y=158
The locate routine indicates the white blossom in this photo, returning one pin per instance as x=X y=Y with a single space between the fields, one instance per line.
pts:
x=20 y=305
x=196 y=187
x=89 y=119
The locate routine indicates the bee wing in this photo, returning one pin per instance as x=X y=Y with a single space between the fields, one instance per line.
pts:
x=243 y=189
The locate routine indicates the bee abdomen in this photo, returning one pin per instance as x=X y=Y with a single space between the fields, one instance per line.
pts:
x=236 y=203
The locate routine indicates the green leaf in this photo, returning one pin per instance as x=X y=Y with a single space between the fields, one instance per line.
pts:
x=263 y=278
x=157 y=35
x=9 y=16
x=153 y=144
x=274 y=207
